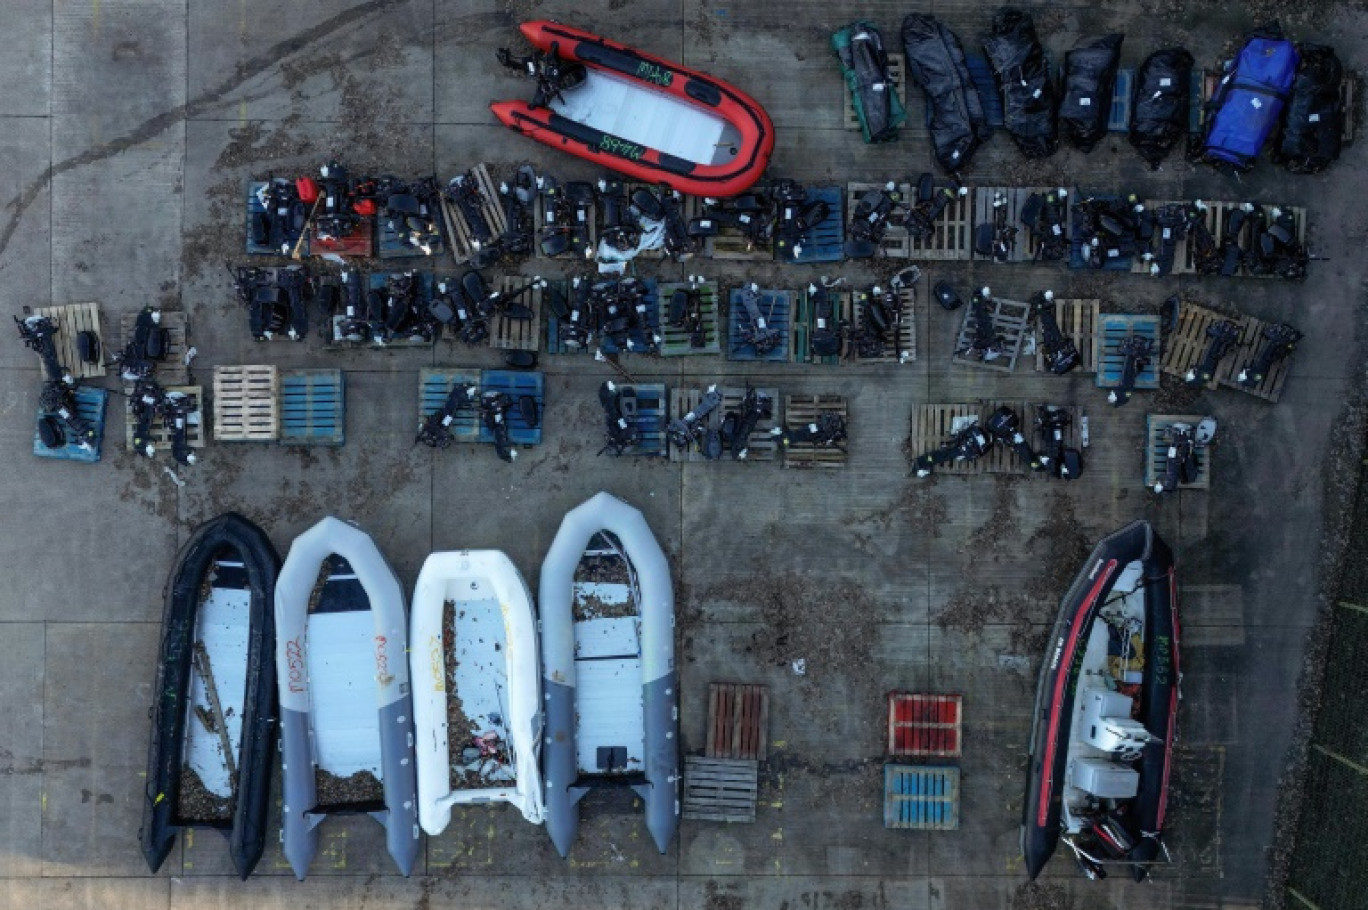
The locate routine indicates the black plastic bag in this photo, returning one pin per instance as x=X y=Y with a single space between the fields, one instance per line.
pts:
x=935 y=61
x=1313 y=123
x=1160 y=103
x=1028 y=93
x=1089 y=80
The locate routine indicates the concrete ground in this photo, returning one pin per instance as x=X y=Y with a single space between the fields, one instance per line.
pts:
x=129 y=127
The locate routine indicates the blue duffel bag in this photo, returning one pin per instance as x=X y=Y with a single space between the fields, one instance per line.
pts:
x=1249 y=100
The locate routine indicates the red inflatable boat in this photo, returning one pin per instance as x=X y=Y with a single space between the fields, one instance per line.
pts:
x=648 y=118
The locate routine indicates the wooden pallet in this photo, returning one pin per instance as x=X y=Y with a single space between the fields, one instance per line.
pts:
x=900 y=343
x=731 y=244
x=1118 y=115
x=825 y=242
x=312 y=408
x=72 y=319
x=1078 y=321
x=516 y=383
x=1217 y=215
x=1027 y=247
x=1111 y=329
x=158 y=434
x=1078 y=252
x=389 y=245
x=1184 y=346
x=897 y=75
x=921 y=797
x=1156 y=450
x=676 y=343
x=1183 y=263
x=458 y=230
x=90 y=405
x=896 y=243
x=738 y=721
x=517 y=334
x=360 y=244
x=646 y=407
x=253 y=207
x=246 y=403
x=933 y=424
x=1251 y=343
x=173 y=369
x=805 y=323
x=689 y=207
x=651 y=316
x=433 y=388
x=777 y=308
x=379 y=281
x=1010 y=318
x=720 y=789
x=539 y=221
x=954 y=236
x=803 y=409
x=925 y=725
x=763 y=445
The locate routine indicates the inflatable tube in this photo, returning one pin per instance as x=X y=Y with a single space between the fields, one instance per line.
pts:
x=610 y=123
x=496 y=652
x=296 y=666
x=1054 y=705
x=233 y=538
x=658 y=782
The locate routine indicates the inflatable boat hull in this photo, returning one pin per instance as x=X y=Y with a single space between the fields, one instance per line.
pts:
x=247 y=829
x=394 y=702
x=1054 y=708
x=466 y=579
x=743 y=116
x=657 y=785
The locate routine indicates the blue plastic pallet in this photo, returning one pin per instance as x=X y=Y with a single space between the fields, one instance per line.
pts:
x=981 y=72
x=1123 y=94
x=652 y=301
x=777 y=308
x=1111 y=329
x=648 y=415
x=90 y=404
x=516 y=383
x=921 y=797
x=826 y=241
x=389 y=246
x=254 y=207
x=433 y=388
x=313 y=408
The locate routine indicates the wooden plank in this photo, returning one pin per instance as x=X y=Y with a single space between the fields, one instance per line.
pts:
x=172 y=370
x=805 y=323
x=246 y=403
x=1156 y=450
x=72 y=319
x=1183 y=261
x=922 y=797
x=954 y=236
x=516 y=384
x=1112 y=329
x=1185 y=345
x=737 y=714
x=825 y=241
x=158 y=435
x=1078 y=321
x=896 y=74
x=985 y=209
x=434 y=386
x=896 y=242
x=459 y=236
x=803 y=409
x=646 y=407
x=1010 y=319
x=717 y=789
x=1348 y=87
x=763 y=445
x=517 y=334
x=731 y=244
x=933 y=424
x=900 y=341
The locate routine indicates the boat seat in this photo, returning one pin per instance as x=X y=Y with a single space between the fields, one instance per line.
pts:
x=1104 y=779
x=612 y=758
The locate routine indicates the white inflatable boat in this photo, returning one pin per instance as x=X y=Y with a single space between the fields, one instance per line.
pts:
x=476 y=693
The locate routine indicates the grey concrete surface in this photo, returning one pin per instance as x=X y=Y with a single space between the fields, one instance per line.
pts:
x=126 y=133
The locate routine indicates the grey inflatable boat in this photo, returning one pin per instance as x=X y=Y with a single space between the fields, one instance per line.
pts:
x=608 y=669
x=341 y=643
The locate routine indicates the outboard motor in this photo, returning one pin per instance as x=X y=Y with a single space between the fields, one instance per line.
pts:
x=968 y=444
x=1061 y=354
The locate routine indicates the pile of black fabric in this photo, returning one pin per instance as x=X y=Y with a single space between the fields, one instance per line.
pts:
x=1159 y=105
x=935 y=61
x=1313 y=124
x=1089 y=79
x=1028 y=93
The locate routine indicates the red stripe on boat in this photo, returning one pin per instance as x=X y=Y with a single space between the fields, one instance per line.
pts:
x=1062 y=676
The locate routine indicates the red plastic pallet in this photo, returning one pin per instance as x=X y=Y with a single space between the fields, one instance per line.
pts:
x=929 y=725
